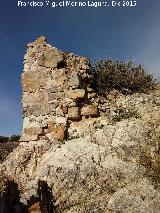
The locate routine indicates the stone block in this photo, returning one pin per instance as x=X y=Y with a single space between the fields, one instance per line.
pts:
x=52 y=89
x=26 y=138
x=33 y=80
x=58 y=132
x=53 y=96
x=38 y=97
x=69 y=102
x=75 y=94
x=50 y=59
x=61 y=120
x=90 y=110
x=38 y=110
x=33 y=131
x=59 y=81
x=74 y=113
x=74 y=80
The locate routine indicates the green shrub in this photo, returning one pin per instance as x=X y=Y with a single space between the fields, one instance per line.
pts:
x=152 y=165
x=121 y=114
x=120 y=75
x=3 y=139
x=14 y=138
x=149 y=156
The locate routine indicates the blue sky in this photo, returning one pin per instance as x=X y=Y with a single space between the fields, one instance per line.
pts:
x=93 y=32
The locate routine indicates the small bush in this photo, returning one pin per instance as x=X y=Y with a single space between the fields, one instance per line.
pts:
x=149 y=154
x=122 y=76
x=14 y=138
x=124 y=114
x=152 y=165
x=3 y=139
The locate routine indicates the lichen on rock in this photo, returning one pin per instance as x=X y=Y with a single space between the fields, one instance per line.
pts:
x=93 y=154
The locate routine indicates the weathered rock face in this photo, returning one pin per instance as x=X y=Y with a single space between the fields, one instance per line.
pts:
x=56 y=86
x=110 y=161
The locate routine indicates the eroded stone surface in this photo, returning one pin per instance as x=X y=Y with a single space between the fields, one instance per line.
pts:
x=75 y=94
x=90 y=110
x=108 y=164
x=55 y=86
x=74 y=113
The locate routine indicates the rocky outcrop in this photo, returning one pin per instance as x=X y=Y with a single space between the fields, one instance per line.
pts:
x=106 y=165
x=94 y=154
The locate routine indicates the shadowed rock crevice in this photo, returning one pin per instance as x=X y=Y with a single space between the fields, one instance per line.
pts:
x=46 y=198
x=10 y=200
x=43 y=203
x=61 y=64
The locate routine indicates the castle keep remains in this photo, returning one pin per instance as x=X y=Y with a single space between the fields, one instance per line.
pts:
x=56 y=91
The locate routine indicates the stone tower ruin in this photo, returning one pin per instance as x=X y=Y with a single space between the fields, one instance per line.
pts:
x=56 y=91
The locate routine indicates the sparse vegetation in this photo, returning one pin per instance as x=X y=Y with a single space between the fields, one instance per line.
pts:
x=3 y=139
x=13 y=138
x=124 y=114
x=152 y=165
x=150 y=158
x=124 y=76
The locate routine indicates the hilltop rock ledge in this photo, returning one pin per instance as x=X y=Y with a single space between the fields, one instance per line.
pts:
x=79 y=152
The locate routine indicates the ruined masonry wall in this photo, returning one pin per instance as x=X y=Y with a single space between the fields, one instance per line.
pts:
x=56 y=91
